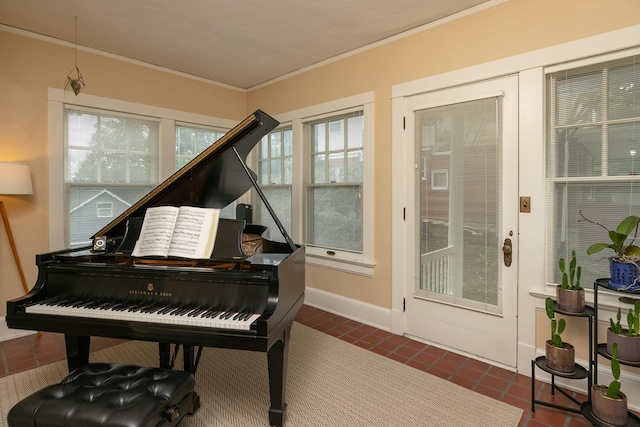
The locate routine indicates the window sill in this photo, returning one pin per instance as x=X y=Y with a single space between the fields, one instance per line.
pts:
x=341 y=264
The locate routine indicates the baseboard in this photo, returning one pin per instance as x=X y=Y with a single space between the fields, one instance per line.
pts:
x=359 y=311
x=9 y=334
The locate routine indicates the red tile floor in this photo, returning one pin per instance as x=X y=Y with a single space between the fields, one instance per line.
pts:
x=40 y=349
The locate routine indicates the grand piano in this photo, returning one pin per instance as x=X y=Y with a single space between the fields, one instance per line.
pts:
x=245 y=296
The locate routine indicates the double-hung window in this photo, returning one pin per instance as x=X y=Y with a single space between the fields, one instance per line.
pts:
x=593 y=158
x=333 y=185
x=110 y=163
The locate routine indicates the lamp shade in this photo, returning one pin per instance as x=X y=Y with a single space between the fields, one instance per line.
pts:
x=15 y=178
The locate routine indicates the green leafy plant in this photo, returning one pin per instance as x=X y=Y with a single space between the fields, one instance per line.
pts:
x=613 y=391
x=557 y=326
x=570 y=280
x=626 y=252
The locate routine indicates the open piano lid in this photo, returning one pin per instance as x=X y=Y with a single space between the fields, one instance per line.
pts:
x=213 y=179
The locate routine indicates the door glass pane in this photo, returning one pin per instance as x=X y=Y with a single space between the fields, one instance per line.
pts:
x=459 y=198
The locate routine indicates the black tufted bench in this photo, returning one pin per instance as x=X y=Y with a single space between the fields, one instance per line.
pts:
x=106 y=394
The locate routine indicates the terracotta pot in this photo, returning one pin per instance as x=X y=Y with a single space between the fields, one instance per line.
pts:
x=560 y=359
x=606 y=409
x=569 y=300
x=628 y=347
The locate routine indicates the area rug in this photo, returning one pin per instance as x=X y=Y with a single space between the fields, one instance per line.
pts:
x=330 y=383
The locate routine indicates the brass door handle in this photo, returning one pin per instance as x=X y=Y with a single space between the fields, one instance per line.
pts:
x=507 y=250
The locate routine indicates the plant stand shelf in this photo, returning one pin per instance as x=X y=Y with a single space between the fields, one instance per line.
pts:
x=586 y=410
x=579 y=373
x=541 y=362
x=602 y=351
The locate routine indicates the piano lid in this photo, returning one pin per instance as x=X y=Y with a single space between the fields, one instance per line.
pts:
x=214 y=178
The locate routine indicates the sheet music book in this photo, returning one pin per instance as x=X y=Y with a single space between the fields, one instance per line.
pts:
x=185 y=231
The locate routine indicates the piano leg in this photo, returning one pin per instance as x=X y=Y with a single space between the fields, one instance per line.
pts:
x=164 y=350
x=277 y=361
x=77 y=350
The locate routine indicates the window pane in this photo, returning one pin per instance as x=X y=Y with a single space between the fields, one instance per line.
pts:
x=579 y=98
x=623 y=149
x=355 y=166
x=318 y=138
x=263 y=172
x=113 y=168
x=276 y=144
x=113 y=133
x=335 y=217
x=318 y=168
x=280 y=200
x=624 y=91
x=191 y=141
x=579 y=151
x=336 y=135
x=276 y=172
x=336 y=167
x=355 y=126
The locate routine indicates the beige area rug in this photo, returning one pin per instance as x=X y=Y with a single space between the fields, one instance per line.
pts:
x=330 y=383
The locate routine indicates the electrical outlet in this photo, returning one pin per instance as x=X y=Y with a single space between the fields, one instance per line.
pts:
x=525 y=204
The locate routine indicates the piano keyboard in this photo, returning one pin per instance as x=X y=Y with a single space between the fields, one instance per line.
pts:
x=206 y=317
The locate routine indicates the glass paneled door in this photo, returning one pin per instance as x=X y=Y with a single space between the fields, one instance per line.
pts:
x=462 y=290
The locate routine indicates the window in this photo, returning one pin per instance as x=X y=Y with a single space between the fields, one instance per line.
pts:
x=192 y=140
x=110 y=163
x=316 y=171
x=333 y=216
x=439 y=179
x=104 y=210
x=593 y=167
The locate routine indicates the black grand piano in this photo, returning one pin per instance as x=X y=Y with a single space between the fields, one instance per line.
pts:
x=244 y=297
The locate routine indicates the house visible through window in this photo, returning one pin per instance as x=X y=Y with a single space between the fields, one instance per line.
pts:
x=593 y=161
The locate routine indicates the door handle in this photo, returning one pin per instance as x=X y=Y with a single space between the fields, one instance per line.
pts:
x=507 y=250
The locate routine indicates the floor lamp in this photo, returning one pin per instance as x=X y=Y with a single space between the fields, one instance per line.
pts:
x=15 y=179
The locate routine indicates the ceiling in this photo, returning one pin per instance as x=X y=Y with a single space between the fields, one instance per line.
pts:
x=241 y=43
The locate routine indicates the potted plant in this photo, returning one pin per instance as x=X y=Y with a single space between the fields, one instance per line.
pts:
x=624 y=265
x=609 y=404
x=559 y=355
x=627 y=339
x=569 y=295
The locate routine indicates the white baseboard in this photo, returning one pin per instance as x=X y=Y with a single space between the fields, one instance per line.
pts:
x=359 y=311
x=9 y=334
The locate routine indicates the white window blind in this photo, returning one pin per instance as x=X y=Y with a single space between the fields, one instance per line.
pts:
x=593 y=159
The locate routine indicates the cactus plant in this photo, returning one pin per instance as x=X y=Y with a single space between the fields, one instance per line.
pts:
x=613 y=391
x=557 y=326
x=570 y=280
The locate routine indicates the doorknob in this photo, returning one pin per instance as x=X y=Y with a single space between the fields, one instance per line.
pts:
x=507 y=249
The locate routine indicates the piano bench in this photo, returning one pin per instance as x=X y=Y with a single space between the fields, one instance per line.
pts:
x=111 y=395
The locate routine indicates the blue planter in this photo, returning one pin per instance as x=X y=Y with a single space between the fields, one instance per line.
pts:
x=624 y=275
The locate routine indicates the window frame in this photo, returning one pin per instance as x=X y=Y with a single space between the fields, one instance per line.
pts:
x=357 y=263
x=59 y=99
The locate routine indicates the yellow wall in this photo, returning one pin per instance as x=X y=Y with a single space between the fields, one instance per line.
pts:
x=30 y=66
